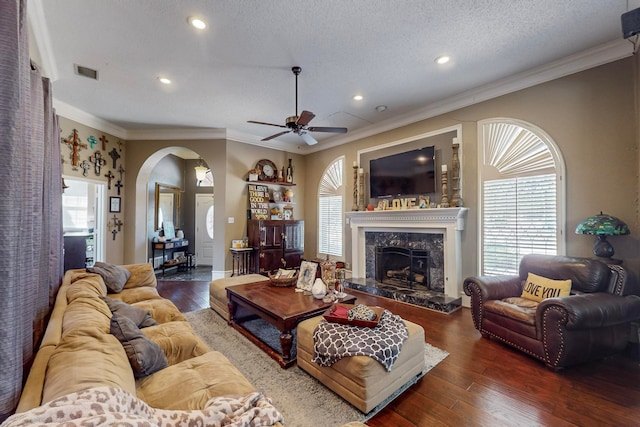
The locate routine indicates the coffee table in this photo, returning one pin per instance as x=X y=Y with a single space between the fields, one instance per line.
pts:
x=282 y=307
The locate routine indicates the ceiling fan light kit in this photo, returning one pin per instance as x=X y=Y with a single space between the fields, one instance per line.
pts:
x=298 y=124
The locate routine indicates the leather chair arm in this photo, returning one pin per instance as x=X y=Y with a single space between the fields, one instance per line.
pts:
x=594 y=310
x=494 y=287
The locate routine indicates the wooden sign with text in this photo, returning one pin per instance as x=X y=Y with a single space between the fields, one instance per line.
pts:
x=259 y=201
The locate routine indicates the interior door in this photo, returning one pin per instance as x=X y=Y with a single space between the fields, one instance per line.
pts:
x=204 y=229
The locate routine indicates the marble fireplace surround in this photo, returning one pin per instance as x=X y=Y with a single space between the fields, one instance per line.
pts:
x=448 y=222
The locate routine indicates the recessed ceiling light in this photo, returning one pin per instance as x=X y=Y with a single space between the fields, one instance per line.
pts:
x=381 y=108
x=358 y=97
x=442 y=59
x=164 y=80
x=197 y=22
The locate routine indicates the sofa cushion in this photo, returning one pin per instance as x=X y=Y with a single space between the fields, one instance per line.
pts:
x=190 y=384
x=114 y=276
x=537 y=288
x=145 y=356
x=142 y=318
x=177 y=340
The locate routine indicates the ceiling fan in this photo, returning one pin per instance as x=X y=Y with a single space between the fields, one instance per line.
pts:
x=299 y=124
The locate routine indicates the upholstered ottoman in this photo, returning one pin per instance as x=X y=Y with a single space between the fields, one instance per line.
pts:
x=361 y=380
x=218 y=291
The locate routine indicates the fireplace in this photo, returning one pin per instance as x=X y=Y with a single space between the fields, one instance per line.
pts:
x=430 y=236
x=404 y=267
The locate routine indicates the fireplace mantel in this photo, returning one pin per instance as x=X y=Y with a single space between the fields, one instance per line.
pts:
x=446 y=221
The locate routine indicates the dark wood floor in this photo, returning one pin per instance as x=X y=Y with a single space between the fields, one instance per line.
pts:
x=485 y=383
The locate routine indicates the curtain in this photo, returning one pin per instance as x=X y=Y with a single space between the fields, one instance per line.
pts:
x=31 y=204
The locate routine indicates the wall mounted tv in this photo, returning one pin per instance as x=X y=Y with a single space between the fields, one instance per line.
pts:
x=408 y=173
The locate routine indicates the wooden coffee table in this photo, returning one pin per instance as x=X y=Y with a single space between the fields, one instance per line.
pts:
x=282 y=307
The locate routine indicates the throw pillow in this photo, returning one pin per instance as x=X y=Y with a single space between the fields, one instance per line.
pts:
x=537 y=288
x=142 y=318
x=114 y=276
x=145 y=356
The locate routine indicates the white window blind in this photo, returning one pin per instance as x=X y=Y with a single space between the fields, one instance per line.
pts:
x=519 y=218
x=520 y=200
x=330 y=209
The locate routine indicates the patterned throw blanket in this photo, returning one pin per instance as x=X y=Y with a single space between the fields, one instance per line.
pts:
x=333 y=341
x=109 y=406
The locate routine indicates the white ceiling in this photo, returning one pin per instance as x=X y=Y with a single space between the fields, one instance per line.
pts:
x=239 y=68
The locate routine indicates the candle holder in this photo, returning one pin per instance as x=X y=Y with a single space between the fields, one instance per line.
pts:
x=456 y=200
x=361 y=206
x=354 y=207
x=444 y=202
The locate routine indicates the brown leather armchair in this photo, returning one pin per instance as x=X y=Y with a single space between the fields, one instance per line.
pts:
x=590 y=324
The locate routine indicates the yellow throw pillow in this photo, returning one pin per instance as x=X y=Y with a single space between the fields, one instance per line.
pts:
x=537 y=288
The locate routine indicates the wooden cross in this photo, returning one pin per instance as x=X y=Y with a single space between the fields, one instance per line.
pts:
x=75 y=145
x=104 y=141
x=114 y=155
x=115 y=226
x=121 y=171
x=97 y=161
x=92 y=141
x=120 y=144
x=109 y=176
x=118 y=185
x=85 y=166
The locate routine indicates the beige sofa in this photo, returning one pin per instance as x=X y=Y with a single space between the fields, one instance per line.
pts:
x=78 y=352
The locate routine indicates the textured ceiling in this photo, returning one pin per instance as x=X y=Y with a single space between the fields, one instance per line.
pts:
x=239 y=68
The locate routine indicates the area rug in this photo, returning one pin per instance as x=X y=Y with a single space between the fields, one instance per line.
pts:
x=302 y=400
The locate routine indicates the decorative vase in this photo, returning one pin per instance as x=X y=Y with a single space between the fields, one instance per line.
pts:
x=319 y=289
x=289 y=176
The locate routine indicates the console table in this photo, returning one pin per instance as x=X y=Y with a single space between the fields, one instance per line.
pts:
x=169 y=248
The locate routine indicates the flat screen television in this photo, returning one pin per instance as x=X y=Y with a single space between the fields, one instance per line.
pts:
x=408 y=173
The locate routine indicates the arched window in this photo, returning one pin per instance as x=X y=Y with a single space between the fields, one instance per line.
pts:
x=330 y=209
x=521 y=194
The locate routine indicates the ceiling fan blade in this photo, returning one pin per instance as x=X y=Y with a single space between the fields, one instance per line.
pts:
x=264 y=123
x=305 y=118
x=275 y=135
x=307 y=138
x=327 y=129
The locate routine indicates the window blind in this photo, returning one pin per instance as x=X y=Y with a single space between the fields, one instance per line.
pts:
x=330 y=209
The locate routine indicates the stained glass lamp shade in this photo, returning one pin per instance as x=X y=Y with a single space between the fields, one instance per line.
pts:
x=601 y=226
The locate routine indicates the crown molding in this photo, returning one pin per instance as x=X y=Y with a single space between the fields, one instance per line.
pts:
x=72 y=113
x=175 y=133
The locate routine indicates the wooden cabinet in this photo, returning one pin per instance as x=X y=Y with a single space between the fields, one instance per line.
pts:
x=274 y=241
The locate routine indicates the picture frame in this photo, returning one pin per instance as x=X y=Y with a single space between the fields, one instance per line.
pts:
x=277 y=196
x=114 y=204
x=307 y=275
x=168 y=230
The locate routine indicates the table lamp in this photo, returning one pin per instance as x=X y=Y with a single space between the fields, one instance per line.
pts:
x=601 y=226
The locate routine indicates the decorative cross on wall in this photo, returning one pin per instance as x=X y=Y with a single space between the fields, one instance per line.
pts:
x=85 y=166
x=104 y=141
x=75 y=145
x=118 y=185
x=109 y=176
x=121 y=171
x=120 y=144
x=115 y=225
x=114 y=155
x=98 y=161
x=92 y=140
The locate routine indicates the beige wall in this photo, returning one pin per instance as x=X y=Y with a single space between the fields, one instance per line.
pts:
x=113 y=247
x=591 y=116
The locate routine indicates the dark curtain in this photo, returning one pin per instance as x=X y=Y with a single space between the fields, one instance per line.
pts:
x=30 y=204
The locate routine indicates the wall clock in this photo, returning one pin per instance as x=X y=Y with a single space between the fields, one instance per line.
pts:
x=267 y=170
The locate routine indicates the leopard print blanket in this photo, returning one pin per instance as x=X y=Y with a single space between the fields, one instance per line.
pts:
x=109 y=406
x=333 y=341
